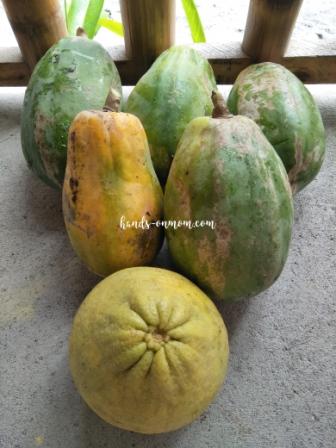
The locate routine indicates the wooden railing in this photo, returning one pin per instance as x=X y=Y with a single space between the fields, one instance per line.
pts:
x=150 y=29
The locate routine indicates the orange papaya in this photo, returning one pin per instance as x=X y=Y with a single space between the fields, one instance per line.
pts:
x=110 y=187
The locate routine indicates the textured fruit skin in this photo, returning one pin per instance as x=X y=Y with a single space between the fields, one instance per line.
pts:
x=74 y=75
x=109 y=175
x=176 y=89
x=225 y=170
x=285 y=110
x=148 y=350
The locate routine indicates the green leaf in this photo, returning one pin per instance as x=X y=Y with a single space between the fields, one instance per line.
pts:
x=194 y=21
x=75 y=15
x=112 y=25
x=104 y=14
x=65 y=10
x=92 y=17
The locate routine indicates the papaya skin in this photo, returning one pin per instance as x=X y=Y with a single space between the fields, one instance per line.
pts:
x=176 y=89
x=285 y=110
x=225 y=170
x=148 y=350
x=109 y=175
x=75 y=74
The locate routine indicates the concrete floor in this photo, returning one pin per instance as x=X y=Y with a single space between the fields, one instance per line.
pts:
x=281 y=386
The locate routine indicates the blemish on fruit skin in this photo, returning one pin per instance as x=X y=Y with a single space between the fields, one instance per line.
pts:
x=74 y=188
x=48 y=159
x=73 y=137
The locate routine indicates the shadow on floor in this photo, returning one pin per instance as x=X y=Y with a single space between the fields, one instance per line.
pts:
x=41 y=203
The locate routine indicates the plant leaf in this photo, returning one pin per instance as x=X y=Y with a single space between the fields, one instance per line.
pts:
x=112 y=25
x=193 y=18
x=104 y=14
x=92 y=17
x=65 y=10
x=75 y=15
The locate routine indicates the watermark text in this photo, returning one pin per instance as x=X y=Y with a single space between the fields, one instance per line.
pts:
x=144 y=224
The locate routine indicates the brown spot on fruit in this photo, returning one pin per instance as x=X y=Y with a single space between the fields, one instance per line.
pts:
x=48 y=156
x=215 y=279
x=73 y=137
x=73 y=183
x=298 y=167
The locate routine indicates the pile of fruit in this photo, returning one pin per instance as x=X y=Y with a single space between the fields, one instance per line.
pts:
x=149 y=350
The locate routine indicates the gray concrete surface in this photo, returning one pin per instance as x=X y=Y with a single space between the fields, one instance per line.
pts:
x=281 y=385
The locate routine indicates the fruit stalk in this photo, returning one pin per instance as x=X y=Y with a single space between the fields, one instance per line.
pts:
x=112 y=103
x=81 y=32
x=220 y=108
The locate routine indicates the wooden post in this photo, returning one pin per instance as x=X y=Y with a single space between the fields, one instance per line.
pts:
x=149 y=28
x=37 y=25
x=268 y=29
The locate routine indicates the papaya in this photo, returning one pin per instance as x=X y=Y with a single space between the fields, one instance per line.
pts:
x=229 y=193
x=148 y=350
x=176 y=89
x=74 y=75
x=285 y=110
x=111 y=195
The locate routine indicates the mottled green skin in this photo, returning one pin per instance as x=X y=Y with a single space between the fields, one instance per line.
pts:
x=225 y=170
x=176 y=89
x=287 y=114
x=74 y=75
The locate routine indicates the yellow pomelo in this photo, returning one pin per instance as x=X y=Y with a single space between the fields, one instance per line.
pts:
x=148 y=350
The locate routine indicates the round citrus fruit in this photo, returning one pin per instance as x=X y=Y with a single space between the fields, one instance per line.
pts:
x=148 y=350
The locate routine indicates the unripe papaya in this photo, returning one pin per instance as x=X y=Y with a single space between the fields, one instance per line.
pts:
x=285 y=110
x=226 y=171
x=176 y=89
x=74 y=75
x=109 y=188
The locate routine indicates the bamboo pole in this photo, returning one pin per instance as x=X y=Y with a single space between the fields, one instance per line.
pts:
x=268 y=28
x=149 y=28
x=37 y=25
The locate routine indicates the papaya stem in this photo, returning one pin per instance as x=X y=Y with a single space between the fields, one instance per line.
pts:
x=81 y=32
x=112 y=103
x=220 y=108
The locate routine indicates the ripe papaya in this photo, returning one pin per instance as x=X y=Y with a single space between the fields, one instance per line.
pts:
x=226 y=171
x=176 y=89
x=110 y=190
x=285 y=110
x=75 y=74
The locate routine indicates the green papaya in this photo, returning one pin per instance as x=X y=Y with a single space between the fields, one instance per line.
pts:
x=285 y=110
x=176 y=89
x=230 y=201
x=74 y=75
